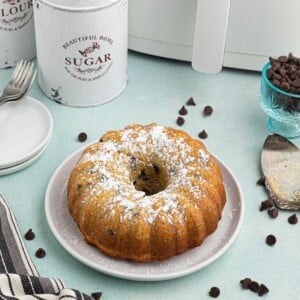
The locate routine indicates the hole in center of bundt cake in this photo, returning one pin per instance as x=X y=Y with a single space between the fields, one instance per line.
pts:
x=151 y=179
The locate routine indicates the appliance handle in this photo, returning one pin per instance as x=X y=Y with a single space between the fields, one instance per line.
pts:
x=210 y=35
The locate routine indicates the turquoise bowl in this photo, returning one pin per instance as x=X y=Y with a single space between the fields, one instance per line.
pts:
x=282 y=108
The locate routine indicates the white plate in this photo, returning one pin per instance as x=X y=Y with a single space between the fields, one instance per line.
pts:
x=25 y=127
x=24 y=164
x=67 y=233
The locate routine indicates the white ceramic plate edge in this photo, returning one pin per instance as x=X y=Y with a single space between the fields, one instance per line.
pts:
x=24 y=164
x=142 y=277
x=38 y=148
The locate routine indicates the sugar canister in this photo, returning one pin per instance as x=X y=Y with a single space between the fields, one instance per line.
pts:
x=81 y=50
x=16 y=32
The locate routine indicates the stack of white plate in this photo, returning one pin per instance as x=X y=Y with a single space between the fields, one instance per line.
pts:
x=25 y=131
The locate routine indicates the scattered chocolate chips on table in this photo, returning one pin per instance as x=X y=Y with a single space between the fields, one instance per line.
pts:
x=261 y=181
x=82 y=137
x=202 y=134
x=245 y=283
x=29 y=235
x=180 y=121
x=273 y=213
x=183 y=111
x=191 y=102
x=263 y=289
x=293 y=219
x=269 y=203
x=254 y=286
x=96 y=295
x=40 y=253
x=214 y=292
x=271 y=240
x=208 y=110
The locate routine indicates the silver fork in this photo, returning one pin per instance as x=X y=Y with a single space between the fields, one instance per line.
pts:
x=19 y=83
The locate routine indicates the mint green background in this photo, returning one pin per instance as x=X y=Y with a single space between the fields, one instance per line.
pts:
x=156 y=90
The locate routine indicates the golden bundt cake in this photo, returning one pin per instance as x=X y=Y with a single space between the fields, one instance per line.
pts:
x=146 y=193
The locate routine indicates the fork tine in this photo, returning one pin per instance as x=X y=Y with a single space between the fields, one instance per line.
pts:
x=27 y=76
x=17 y=69
x=20 y=72
x=32 y=80
x=26 y=71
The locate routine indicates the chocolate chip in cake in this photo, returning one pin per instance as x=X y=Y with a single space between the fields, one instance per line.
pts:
x=82 y=137
x=180 y=121
x=271 y=240
x=254 y=286
x=263 y=289
x=202 y=134
x=261 y=181
x=293 y=219
x=110 y=232
x=96 y=295
x=208 y=110
x=133 y=163
x=245 y=283
x=183 y=111
x=273 y=213
x=29 y=235
x=191 y=102
x=214 y=292
x=40 y=253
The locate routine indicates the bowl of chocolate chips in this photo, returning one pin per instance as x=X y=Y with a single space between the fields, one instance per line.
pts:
x=280 y=95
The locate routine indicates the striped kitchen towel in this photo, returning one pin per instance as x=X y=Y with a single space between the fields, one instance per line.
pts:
x=19 y=278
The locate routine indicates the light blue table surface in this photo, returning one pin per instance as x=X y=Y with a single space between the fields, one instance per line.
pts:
x=156 y=90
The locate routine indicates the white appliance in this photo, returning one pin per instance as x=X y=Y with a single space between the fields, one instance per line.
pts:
x=256 y=30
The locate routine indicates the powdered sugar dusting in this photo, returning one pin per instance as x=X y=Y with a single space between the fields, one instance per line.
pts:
x=111 y=172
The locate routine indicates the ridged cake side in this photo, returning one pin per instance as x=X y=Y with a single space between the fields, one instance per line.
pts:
x=146 y=193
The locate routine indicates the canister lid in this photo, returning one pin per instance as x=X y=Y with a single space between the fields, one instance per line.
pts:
x=78 y=5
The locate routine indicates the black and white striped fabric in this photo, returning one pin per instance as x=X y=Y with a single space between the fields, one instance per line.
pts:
x=19 y=278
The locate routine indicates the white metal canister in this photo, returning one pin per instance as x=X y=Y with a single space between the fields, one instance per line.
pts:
x=81 y=49
x=16 y=32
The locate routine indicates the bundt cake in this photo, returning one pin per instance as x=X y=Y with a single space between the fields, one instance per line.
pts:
x=146 y=193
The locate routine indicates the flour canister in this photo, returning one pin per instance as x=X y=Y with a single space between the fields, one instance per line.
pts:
x=81 y=49
x=16 y=32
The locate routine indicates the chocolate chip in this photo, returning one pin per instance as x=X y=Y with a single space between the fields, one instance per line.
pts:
x=271 y=240
x=40 y=253
x=214 y=292
x=284 y=72
x=110 y=232
x=29 y=235
x=180 y=121
x=245 y=283
x=293 y=219
x=202 y=134
x=254 y=286
x=191 y=102
x=156 y=169
x=183 y=111
x=82 y=136
x=262 y=290
x=296 y=83
x=273 y=213
x=283 y=59
x=261 y=181
x=269 y=203
x=208 y=110
x=133 y=163
x=96 y=295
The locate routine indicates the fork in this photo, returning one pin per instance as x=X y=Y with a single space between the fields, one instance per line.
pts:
x=19 y=83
